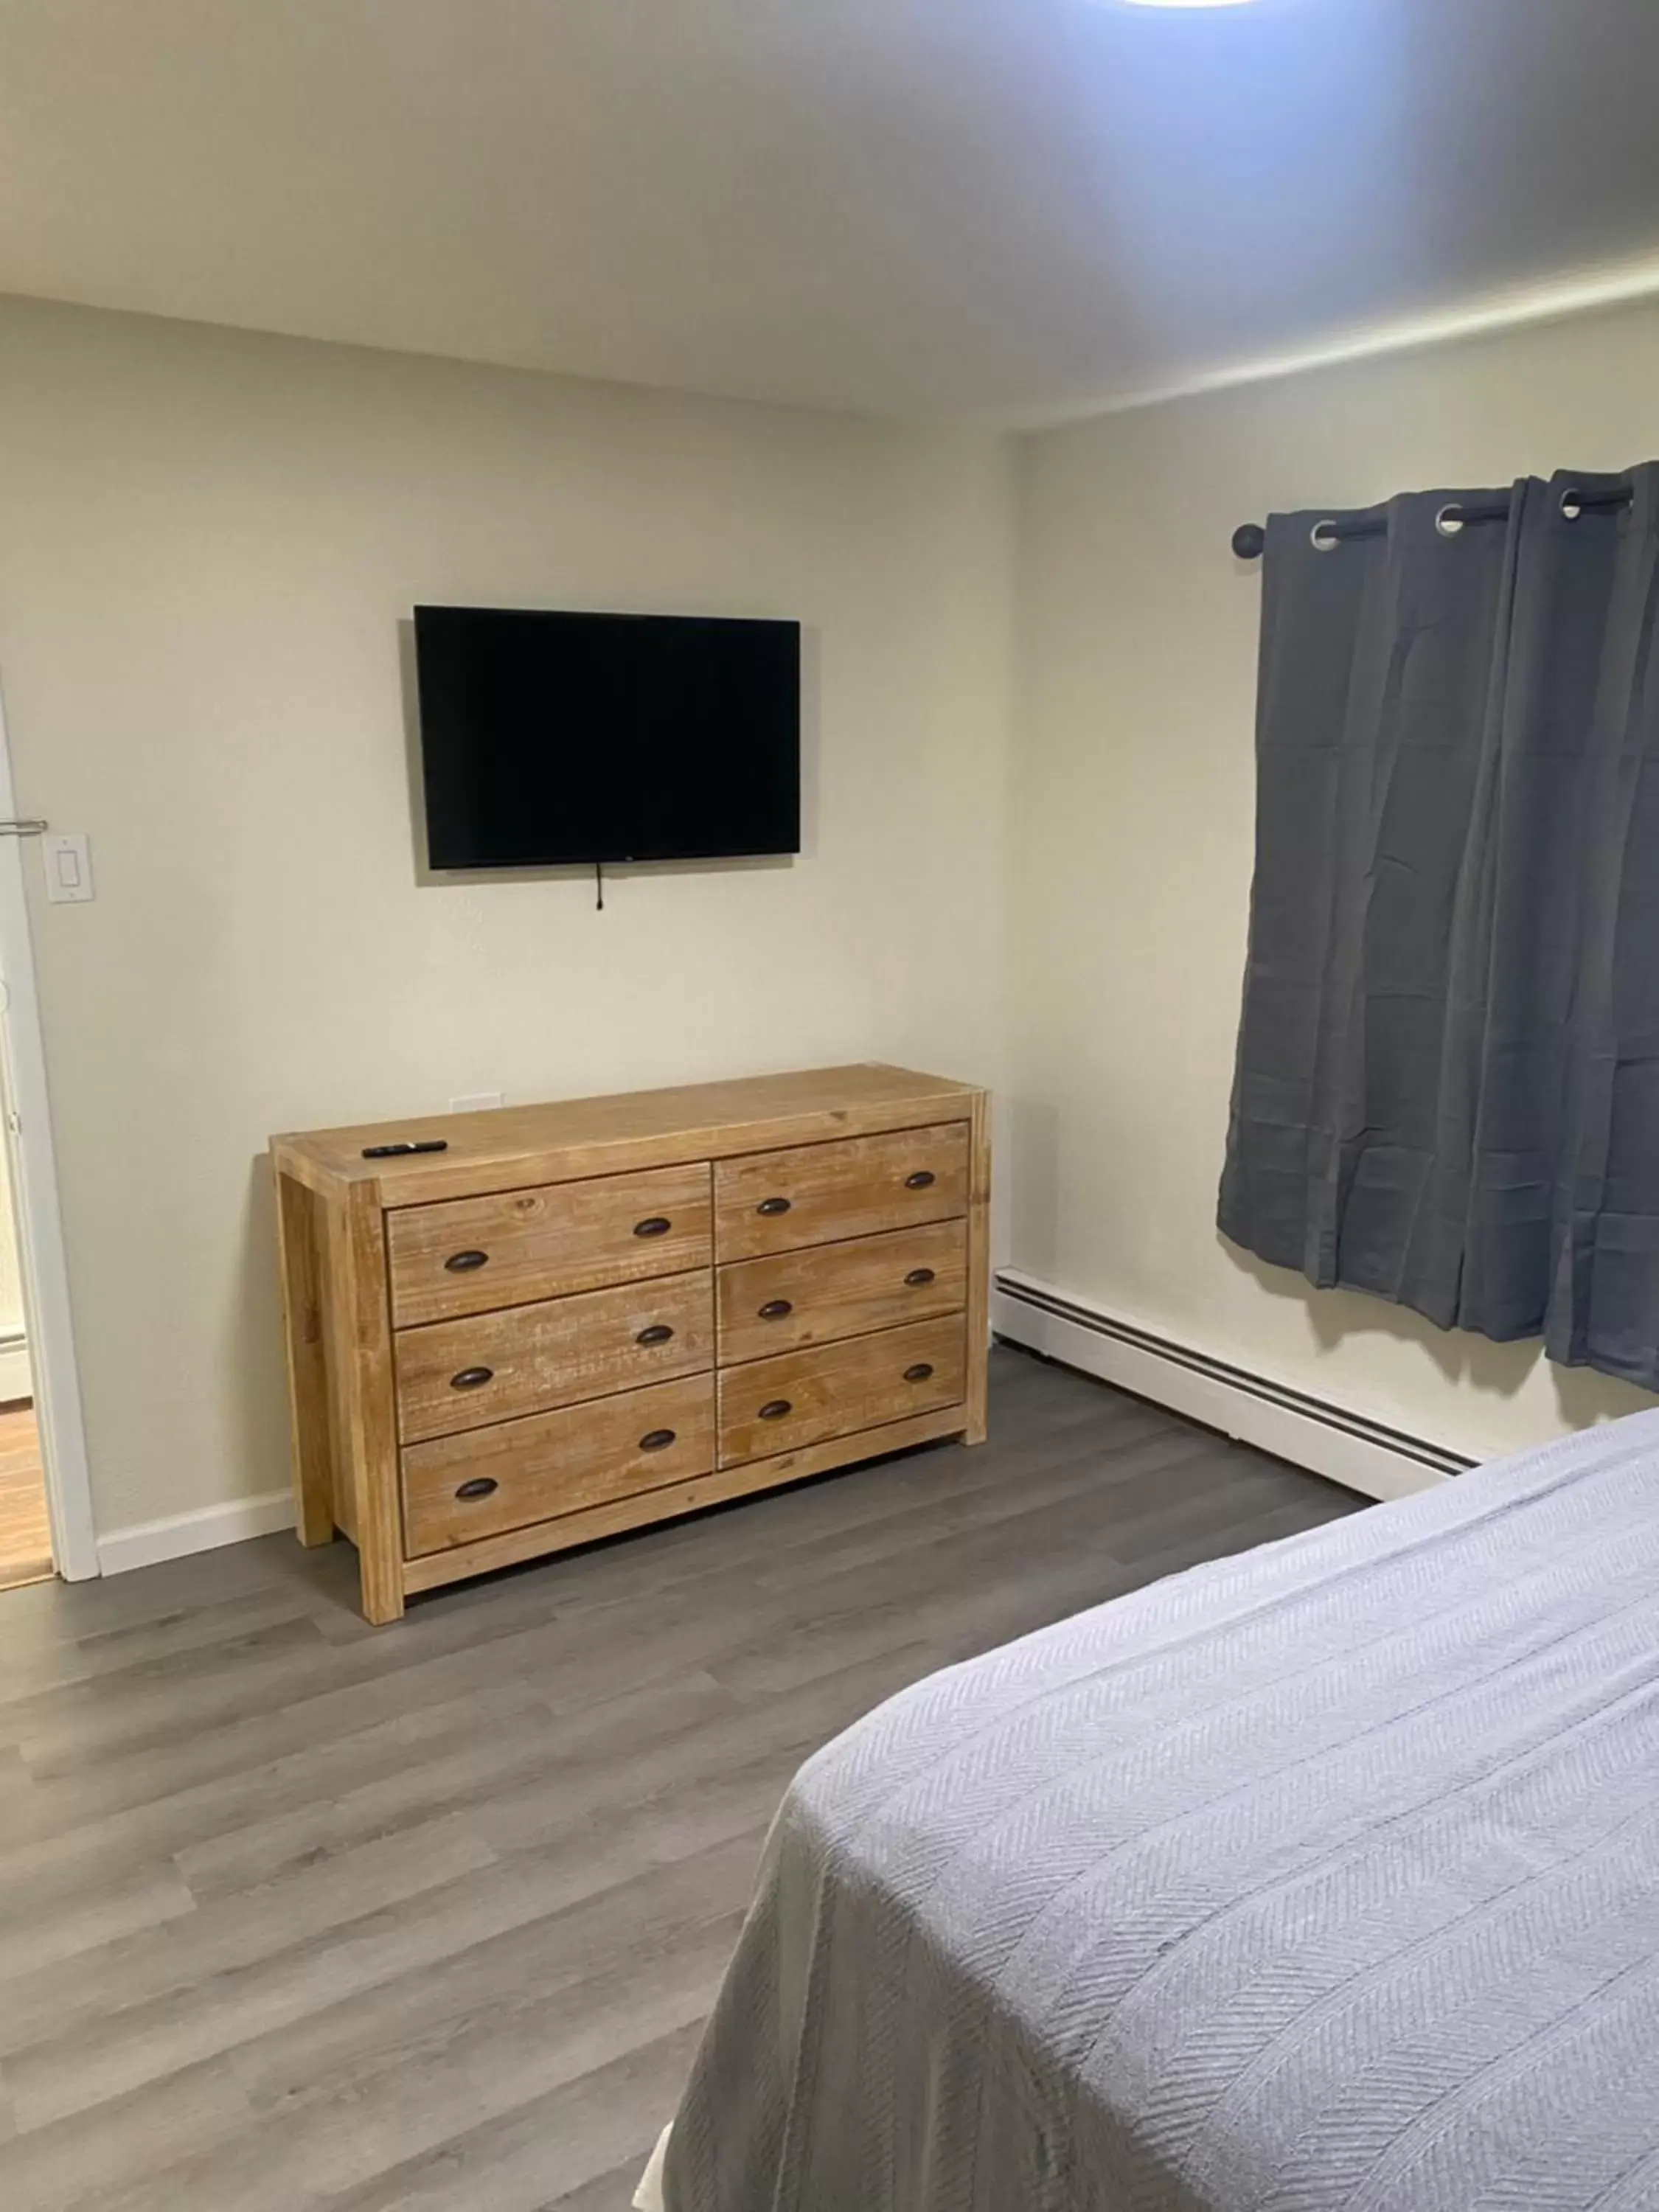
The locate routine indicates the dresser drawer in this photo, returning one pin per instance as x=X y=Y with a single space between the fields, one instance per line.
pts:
x=773 y=1405
x=517 y=1473
x=471 y=1254
x=830 y=1290
x=455 y=1374
x=820 y=1194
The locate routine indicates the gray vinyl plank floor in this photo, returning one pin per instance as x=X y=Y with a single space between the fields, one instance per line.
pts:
x=295 y=1913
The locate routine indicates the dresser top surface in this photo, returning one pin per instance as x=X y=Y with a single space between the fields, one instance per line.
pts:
x=570 y=1137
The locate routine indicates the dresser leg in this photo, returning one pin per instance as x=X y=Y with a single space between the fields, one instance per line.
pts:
x=979 y=1267
x=299 y=1243
x=382 y=1603
x=359 y=1321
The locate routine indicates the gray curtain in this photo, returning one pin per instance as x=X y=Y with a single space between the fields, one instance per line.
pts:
x=1447 y=1089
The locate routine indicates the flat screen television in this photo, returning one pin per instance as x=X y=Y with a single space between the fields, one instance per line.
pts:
x=549 y=739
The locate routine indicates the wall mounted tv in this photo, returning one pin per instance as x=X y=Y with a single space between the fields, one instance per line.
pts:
x=551 y=739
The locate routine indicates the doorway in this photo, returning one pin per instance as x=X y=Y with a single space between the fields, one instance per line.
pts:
x=42 y=1445
x=25 y=1524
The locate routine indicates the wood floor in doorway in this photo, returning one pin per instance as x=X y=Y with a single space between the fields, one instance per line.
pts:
x=301 y=1915
x=25 y=1538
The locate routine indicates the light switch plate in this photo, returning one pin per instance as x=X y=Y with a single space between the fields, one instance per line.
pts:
x=68 y=860
x=480 y=1101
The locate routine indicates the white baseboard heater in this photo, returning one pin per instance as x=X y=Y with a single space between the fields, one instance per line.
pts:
x=1348 y=1447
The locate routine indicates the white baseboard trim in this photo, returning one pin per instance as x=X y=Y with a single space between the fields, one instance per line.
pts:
x=147 y=1543
x=1344 y=1446
x=17 y=1376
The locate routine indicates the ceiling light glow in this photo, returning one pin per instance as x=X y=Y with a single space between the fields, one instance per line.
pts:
x=1186 y=4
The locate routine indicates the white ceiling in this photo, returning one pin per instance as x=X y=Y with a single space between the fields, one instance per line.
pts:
x=1011 y=207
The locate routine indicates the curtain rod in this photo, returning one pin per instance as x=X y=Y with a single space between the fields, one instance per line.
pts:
x=1250 y=539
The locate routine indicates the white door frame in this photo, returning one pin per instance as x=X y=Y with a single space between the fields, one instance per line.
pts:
x=39 y=1220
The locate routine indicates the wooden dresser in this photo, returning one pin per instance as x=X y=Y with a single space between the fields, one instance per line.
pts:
x=586 y=1316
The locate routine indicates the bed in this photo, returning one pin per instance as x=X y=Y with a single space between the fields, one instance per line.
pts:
x=1325 y=1879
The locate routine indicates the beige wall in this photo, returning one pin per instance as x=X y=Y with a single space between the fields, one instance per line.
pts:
x=1133 y=776
x=209 y=541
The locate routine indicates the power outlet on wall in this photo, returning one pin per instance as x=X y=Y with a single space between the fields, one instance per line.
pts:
x=479 y=1102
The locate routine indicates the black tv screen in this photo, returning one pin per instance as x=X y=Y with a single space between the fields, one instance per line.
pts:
x=547 y=739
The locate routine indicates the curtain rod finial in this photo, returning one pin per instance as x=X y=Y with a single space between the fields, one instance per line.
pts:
x=1249 y=541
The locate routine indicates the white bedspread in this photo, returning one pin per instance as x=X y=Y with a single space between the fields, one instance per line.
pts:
x=1321 y=1880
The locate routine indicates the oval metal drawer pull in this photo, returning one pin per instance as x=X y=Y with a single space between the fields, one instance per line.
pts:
x=658 y=1224
x=773 y=1205
x=659 y=1332
x=923 y=1179
x=465 y=1263
x=919 y=1373
x=918 y=1276
x=774 y=1409
x=656 y=1439
x=479 y=1486
x=775 y=1308
x=472 y=1378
